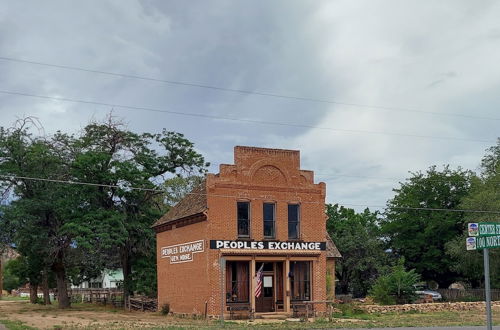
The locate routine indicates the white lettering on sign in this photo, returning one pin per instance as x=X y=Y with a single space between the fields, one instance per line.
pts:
x=267 y=245
x=182 y=252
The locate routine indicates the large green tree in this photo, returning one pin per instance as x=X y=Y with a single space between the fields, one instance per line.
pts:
x=78 y=230
x=117 y=160
x=484 y=196
x=357 y=236
x=417 y=224
x=32 y=219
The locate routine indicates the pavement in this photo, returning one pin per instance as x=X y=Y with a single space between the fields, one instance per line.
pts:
x=432 y=328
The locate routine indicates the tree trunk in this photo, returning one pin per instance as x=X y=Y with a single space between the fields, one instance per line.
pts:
x=33 y=293
x=62 y=289
x=45 y=288
x=127 y=270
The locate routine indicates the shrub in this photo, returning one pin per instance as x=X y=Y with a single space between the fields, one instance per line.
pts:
x=165 y=309
x=396 y=287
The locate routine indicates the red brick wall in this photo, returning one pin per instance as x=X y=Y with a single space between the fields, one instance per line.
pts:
x=266 y=175
x=183 y=285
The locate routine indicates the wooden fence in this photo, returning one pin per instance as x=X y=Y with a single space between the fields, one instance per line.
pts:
x=102 y=296
x=468 y=294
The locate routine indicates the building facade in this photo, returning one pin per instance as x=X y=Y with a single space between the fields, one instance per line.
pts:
x=252 y=235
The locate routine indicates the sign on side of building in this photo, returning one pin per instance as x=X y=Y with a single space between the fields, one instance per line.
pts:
x=183 y=252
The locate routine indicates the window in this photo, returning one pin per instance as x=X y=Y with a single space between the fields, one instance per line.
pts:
x=300 y=280
x=243 y=210
x=293 y=221
x=237 y=275
x=269 y=213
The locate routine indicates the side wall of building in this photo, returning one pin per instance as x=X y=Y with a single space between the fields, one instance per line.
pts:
x=183 y=285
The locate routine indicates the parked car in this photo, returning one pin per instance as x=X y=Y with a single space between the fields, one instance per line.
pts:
x=423 y=290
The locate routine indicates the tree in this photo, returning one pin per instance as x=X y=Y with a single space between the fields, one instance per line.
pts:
x=484 y=196
x=31 y=218
x=178 y=187
x=78 y=230
x=420 y=235
x=116 y=159
x=397 y=286
x=357 y=236
x=15 y=274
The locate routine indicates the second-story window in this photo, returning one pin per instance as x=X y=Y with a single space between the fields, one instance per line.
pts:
x=269 y=223
x=243 y=209
x=293 y=221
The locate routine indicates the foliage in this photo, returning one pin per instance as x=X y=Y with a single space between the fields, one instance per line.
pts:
x=357 y=236
x=485 y=196
x=178 y=187
x=397 y=286
x=15 y=274
x=420 y=235
x=79 y=230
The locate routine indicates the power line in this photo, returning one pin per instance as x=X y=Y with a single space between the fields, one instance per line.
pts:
x=326 y=176
x=332 y=175
x=243 y=91
x=423 y=208
x=252 y=121
x=12 y=177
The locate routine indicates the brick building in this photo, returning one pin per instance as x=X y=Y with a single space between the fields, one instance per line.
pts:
x=262 y=213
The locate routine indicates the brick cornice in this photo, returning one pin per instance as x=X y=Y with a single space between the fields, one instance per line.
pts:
x=268 y=188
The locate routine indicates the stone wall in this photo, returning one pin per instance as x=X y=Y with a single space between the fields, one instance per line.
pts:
x=430 y=307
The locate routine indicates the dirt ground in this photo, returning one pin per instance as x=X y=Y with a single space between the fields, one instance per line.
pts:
x=21 y=315
x=88 y=316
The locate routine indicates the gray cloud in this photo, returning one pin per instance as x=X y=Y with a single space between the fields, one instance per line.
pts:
x=438 y=57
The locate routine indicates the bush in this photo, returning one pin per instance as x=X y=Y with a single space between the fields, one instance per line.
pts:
x=165 y=309
x=396 y=287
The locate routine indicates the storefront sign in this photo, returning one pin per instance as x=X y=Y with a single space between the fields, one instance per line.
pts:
x=182 y=252
x=268 y=245
x=483 y=229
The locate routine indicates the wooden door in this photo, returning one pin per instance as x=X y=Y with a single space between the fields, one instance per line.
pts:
x=265 y=303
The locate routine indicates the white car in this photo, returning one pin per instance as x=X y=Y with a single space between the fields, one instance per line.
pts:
x=424 y=291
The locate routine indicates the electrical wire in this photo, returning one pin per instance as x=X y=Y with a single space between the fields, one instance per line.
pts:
x=242 y=91
x=16 y=177
x=252 y=121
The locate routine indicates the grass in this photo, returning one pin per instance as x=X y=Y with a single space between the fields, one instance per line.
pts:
x=15 y=325
x=89 y=316
x=14 y=298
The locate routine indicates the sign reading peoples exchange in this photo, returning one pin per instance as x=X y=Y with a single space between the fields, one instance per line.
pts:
x=182 y=252
x=268 y=245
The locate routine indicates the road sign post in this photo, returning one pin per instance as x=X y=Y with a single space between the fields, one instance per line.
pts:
x=486 y=257
x=484 y=236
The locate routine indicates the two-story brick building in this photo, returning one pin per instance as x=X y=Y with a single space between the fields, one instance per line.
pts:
x=262 y=213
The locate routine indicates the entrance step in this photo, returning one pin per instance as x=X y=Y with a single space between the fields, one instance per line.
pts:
x=272 y=316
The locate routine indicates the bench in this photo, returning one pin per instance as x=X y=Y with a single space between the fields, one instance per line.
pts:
x=300 y=309
x=238 y=308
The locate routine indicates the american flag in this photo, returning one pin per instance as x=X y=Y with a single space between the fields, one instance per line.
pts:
x=258 y=277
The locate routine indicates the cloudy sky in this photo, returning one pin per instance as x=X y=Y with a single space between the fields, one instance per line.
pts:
x=399 y=85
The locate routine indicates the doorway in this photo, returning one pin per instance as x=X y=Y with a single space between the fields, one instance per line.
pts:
x=271 y=295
